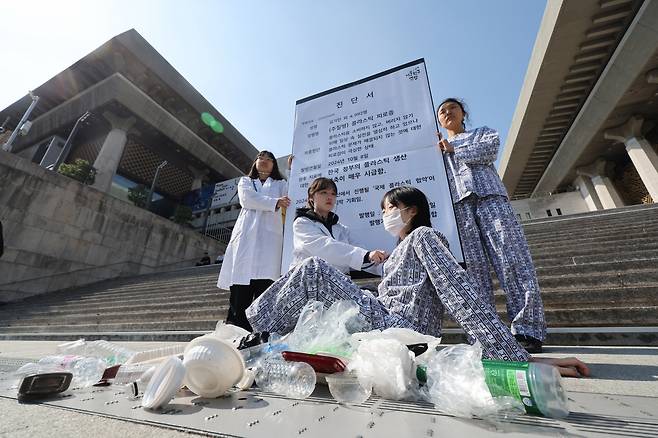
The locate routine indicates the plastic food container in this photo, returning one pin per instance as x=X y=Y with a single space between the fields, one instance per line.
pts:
x=347 y=389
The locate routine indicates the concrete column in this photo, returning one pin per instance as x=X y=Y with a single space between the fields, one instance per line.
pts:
x=586 y=189
x=605 y=190
x=642 y=155
x=108 y=159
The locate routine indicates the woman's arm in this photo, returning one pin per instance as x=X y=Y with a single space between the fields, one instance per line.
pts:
x=253 y=200
x=458 y=296
x=483 y=149
x=307 y=237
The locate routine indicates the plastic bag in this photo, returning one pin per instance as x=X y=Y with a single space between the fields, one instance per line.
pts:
x=326 y=331
x=456 y=384
x=230 y=333
x=387 y=366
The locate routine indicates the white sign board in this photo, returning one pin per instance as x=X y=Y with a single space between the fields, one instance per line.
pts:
x=226 y=192
x=369 y=137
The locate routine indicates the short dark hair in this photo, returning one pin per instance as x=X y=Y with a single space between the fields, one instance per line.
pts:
x=410 y=197
x=276 y=174
x=318 y=184
x=459 y=102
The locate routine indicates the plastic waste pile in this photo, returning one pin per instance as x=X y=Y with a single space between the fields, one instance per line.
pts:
x=328 y=345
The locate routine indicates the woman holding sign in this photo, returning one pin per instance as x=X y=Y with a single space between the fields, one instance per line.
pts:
x=317 y=232
x=488 y=224
x=253 y=256
x=421 y=279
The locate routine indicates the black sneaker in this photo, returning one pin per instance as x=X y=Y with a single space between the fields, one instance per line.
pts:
x=530 y=344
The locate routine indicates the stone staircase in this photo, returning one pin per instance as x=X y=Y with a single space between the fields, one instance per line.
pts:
x=598 y=273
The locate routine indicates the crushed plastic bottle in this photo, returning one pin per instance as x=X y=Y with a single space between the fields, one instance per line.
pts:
x=86 y=371
x=292 y=379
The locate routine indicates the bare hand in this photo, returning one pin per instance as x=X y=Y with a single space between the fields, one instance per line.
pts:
x=290 y=157
x=377 y=256
x=567 y=366
x=443 y=144
x=283 y=202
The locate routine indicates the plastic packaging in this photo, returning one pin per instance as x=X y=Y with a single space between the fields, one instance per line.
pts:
x=113 y=354
x=326 y=331
x=157 y=354
x=213 y=366
x=292 y=379
x=456 y=384
x=347 y=389
x=137 y=387
x=388 y=366
x=131 y=373
x=86 y=371
x=538 y=386
x=229 y=332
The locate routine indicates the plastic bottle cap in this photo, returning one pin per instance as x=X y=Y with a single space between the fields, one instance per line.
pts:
x=164 y=384
x=213 y=366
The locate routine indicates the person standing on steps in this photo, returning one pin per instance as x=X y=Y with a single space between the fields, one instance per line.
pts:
x=488 y=225
x=252 y=260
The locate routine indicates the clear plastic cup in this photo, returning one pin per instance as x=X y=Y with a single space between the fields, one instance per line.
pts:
x=347 y=389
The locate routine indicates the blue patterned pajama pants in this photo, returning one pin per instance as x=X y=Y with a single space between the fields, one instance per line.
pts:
x=491 y=234
x=279 y=307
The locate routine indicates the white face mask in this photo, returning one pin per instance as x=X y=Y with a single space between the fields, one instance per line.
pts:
x=393 y=222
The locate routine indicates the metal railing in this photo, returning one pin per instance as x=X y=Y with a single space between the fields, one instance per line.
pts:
x=219 y=232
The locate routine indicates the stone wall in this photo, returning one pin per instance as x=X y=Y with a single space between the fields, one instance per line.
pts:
x=60 y=233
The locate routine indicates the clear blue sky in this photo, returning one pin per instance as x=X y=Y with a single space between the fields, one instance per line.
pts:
x=253 y=59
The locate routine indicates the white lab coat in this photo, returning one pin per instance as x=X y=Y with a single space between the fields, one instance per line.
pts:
x=313 y=239
x=254 y=251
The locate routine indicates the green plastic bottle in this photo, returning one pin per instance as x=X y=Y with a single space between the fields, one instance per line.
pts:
x=538 y=386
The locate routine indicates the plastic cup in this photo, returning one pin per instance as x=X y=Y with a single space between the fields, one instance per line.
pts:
x=213 y=366
x=347 y=389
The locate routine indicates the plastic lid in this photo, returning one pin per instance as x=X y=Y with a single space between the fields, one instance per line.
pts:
x=213 y=366
x=166 y=381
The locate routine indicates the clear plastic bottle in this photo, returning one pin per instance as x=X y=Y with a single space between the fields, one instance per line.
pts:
x=292 y=379
x=113 y=354
x=86 y=371
x=131 y=373
x=537 y=385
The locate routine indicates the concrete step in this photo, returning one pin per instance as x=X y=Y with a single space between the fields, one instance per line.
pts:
x=627 y=265
x=155 y=294
x=592 y=249
x=592 y=317
x=627 y=214
x=557 y=261
x=135 y=326
x=585 y=229
x=209 y=301
x=605 y=297
x=560 y=238
x=562 y=241
x=645 y=276
x=583 y=336
x=114 y=317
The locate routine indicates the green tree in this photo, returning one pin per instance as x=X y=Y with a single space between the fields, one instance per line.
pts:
x=138 y=194
x=182 y=214
x=79 y=170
